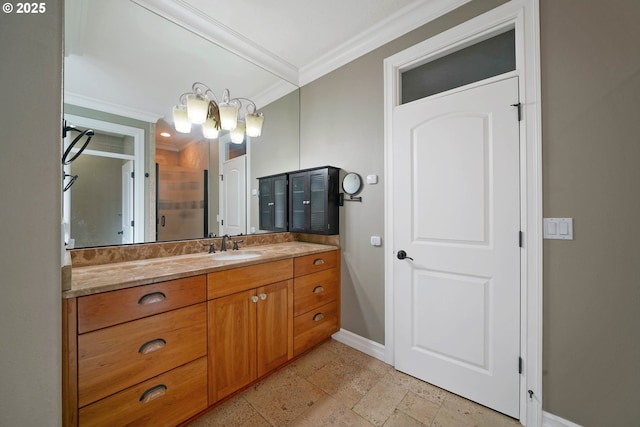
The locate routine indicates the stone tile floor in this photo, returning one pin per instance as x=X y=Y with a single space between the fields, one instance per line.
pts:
x=335 y=385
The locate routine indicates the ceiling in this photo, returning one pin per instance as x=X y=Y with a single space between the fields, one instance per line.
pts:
x=134 y=57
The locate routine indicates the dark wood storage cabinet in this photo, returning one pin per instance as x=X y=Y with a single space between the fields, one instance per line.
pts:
x=272 y=193
x=313 y=200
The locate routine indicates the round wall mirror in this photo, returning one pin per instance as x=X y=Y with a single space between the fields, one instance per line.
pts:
x=351 y=183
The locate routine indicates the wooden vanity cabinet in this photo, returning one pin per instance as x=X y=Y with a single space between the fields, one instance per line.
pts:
x=159 y=354
x=136 y=356
x=250 y=330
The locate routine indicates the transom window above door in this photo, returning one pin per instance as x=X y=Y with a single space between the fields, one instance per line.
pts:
x=482 y=60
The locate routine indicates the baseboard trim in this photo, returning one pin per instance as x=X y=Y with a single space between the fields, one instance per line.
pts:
x=550 y=420
x=364 y=345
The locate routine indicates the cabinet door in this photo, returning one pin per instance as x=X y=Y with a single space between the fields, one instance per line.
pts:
x=266 y=202
x=232 y=343
x=275 y=325
x=273 y=203
x=317 y=201
x=280 y=206
x=298 y=200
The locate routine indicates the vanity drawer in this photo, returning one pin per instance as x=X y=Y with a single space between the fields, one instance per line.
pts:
x=165 y=400
x=315 y=262
x=112 y=359
x=314 y=326
x=111 y=308
x=227 y=282
x=313 y=290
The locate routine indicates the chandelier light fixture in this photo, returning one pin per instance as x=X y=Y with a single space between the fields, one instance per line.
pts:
x=201 y=106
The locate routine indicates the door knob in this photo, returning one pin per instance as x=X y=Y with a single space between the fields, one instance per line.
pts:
x=402 y=255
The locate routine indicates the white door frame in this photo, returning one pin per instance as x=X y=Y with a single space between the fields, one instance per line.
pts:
x=138 y=159
x=524 y=16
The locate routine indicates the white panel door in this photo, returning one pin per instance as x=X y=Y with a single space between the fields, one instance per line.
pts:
x=234 y=196
x=456 y=187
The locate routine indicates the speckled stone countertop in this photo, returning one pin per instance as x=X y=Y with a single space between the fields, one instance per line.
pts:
x=87 y=280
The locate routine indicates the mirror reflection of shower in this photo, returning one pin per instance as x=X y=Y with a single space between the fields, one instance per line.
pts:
x=182 y=190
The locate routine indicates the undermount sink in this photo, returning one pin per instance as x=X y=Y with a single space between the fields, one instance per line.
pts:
x=234 y=256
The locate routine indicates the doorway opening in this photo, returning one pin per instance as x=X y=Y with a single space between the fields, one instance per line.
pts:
x=105 y=205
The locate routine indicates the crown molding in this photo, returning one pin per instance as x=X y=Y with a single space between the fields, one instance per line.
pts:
x=194 y=20
x=273 y=93
x=110 y=107
x=404 y=20
x=394 y=26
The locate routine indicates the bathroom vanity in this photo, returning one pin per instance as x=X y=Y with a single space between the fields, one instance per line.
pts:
x=158 y=341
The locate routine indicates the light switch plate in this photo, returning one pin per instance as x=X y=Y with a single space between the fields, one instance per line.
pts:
x=372 y=179
x=558 y=228
x=376 y=241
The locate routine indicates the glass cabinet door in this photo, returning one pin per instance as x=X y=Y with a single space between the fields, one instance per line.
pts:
x=273 y=203
x=317 y=200
x=280 y=203
x=266 y=200
x=298 y=201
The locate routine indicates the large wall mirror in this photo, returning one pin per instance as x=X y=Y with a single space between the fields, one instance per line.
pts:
x=125 y=68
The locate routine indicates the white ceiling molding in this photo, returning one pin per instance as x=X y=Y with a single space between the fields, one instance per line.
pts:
x=404 y=20
x=109 y=107
x=194 y=20
x=394 y=26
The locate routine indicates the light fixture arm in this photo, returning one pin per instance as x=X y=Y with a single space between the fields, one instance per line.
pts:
x=251 y=106
x=204 y=91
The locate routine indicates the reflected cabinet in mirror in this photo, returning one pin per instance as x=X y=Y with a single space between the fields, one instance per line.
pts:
x=138 y=180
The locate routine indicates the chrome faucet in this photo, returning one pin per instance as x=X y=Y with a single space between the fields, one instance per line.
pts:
x=223 y=247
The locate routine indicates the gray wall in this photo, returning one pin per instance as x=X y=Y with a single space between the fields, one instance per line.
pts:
x=30 y=185
x=277 y=149
x=590 y=98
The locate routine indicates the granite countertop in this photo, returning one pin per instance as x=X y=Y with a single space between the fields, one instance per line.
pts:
x=108 y=277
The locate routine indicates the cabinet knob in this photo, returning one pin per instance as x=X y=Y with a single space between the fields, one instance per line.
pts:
x=318 y=289
x=153 y=393
x=263 y=297
x=254 y=299
x=152 y=298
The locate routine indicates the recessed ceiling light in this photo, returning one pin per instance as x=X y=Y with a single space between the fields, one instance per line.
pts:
x=165 y=134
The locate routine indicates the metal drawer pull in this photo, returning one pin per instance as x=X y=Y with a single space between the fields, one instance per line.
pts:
x=263 y=297
x=151 y=346
x=318 y=289
x=318 y=317
x=318 y=261
x=153 y=393
x=152 y=298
